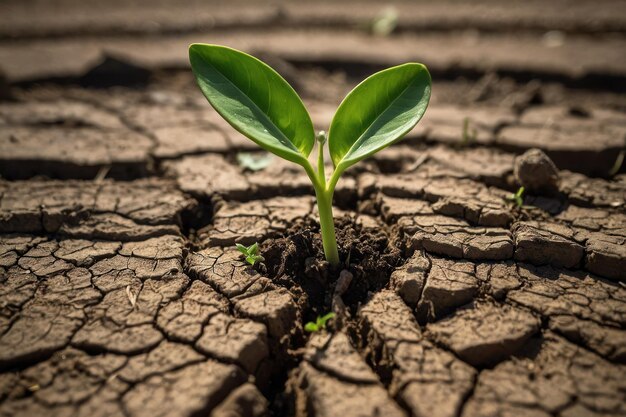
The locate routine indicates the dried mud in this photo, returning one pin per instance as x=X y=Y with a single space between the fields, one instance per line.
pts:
x=121 y=291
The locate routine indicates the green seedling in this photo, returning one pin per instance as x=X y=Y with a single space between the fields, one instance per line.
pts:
x=256 y=101
x=385 y=22
x=468 y=135
x=320 y=323
x=250 y=252
x=619 y=161
x=517 y=198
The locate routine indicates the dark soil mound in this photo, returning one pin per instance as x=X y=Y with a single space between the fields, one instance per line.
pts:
x=297 y=262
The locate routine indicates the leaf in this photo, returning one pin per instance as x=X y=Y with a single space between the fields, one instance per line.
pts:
x=253 y=249
x=311 y=327
x=378 y=112
x=241 y=248
x=252 y=259
x=254 y=99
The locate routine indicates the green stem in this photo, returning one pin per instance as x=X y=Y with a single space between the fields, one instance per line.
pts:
x=327 y=225
x=324 y=193
x=334 y=178
x=320 y=162
x=312 y=175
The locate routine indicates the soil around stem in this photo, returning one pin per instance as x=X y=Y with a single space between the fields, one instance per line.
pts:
x=296 y=261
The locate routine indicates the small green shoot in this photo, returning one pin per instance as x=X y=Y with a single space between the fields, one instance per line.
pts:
x=320 y=323
x=468 y=135
x=385 y=22
x=254 y=162
x=517 y=198
x=257 y=102
x=618 y=164
x=250 y=252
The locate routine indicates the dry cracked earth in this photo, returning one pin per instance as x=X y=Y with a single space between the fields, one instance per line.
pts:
x=121 y=199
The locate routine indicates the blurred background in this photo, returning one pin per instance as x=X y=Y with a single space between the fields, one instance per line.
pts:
x=103 y=88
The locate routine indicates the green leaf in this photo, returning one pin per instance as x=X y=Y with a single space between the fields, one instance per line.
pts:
x=378 y=112
x=241 y=248
x=254 y=99
x=253 y=249
x=252 y=259
x=250 y=252
x=311 y=327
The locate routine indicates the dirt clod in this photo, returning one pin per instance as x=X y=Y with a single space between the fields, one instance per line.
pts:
x=536 y=172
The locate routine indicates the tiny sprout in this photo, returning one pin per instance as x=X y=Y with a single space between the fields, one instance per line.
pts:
x=517 y=198
x=320 y=323
x=385 y=22
x=618 y=164
x=469 y=135
x=257 y=102
x=250 y=252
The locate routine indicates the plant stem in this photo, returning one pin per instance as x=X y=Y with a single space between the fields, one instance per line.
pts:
x=327 y=225
x=324 y=193
x=320 y=162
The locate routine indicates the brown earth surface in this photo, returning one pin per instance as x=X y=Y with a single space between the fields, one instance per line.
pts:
x=122 y=197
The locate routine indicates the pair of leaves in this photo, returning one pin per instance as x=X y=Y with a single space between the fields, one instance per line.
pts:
x=250 y=252
x=320 y=323
x=260 y=104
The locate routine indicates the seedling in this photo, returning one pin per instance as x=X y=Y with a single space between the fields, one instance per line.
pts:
x=618 y=164
x=468 y=135
x=320 y=323
x=250 y=252
x=385 y=22
x=256 y=101
x=517 y=198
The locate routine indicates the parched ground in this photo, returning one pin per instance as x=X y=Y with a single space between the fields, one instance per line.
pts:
x=121 y=199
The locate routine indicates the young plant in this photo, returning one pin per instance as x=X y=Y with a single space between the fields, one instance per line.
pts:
x=250 y=252
x=517 y=198
x=256 y=101
x=618 y=164
x=385 y=22
x=468 y=136
x=320 y=323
